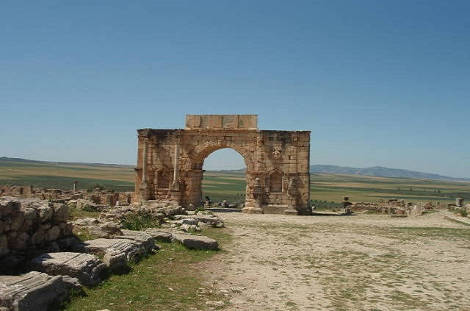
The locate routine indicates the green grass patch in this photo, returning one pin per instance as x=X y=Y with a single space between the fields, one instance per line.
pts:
x=84 y=235
x=169 y=280
x=75 y=213
x=140 y=221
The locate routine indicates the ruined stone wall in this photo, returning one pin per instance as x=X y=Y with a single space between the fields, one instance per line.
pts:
x=169 y=162
x=393 y=207
x=100 y=197
x=30 y=224
x=12 y=190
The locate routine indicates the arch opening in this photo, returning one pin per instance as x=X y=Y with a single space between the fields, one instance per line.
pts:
x=223 y=181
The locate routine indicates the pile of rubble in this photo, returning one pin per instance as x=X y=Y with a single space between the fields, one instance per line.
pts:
x=61 y=263
x=165 y=214
x=158 y=210
x=195 y=221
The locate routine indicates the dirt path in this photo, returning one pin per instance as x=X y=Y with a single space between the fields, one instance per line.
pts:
x=365 y=262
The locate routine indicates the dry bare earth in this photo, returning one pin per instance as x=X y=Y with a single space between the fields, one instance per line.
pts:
x=364 y=262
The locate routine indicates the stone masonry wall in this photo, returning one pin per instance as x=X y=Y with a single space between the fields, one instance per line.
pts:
x=27 y=225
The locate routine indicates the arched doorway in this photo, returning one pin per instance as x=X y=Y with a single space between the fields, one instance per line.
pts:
x=224 y=178
x=199 y=157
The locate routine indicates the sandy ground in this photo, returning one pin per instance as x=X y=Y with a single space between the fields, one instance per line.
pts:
x=364 y=262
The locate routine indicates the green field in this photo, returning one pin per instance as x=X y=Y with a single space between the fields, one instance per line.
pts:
x=231 y=185
x=62 y=176
x=332 y=188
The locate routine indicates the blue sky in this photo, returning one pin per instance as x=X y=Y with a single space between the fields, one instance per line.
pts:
x=377 y=82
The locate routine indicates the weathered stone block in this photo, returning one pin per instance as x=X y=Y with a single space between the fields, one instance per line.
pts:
x=8 y=206
x=139 y=237
x=61 y=212
x=34 y=291
x=53 y=233
x=38 y=237
x=196 y=241
x=159 y=235
x=21 y=241
x=115 y=260
x=88 y=269
x=16 y=221
x=130 y=248
x=45 y=212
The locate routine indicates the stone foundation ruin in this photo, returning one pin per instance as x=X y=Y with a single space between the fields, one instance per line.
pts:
x=42 y=261
x=97 y=197
x=170 y=161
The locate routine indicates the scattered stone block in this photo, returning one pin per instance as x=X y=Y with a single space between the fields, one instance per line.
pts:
x=34 y=291
x=88 y=269
x=116 y=251
x=160 y=236
x=189 y=221
x=196 y=241
x=189 y=228
x=101 y=246
x=140 y=237
x=210 y=220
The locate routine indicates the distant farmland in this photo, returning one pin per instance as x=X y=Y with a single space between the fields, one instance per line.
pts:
x=332 y=188
x=230 y=185
x=62 y=175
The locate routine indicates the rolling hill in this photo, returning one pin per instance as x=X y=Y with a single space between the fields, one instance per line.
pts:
x=378 y=171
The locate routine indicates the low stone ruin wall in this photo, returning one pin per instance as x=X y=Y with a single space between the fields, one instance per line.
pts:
x=28 y=226
x=100 y=197
x=393 y=207
x=25 y=191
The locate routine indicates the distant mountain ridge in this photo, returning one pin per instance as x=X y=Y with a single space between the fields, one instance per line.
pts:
x=379 y=171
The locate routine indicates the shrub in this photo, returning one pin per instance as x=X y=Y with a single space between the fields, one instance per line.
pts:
x=140 y=221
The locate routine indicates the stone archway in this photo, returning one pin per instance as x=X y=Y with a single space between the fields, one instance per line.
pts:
x=280 y=157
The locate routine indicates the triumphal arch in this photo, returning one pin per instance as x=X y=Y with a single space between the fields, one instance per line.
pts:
x=169 y=162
